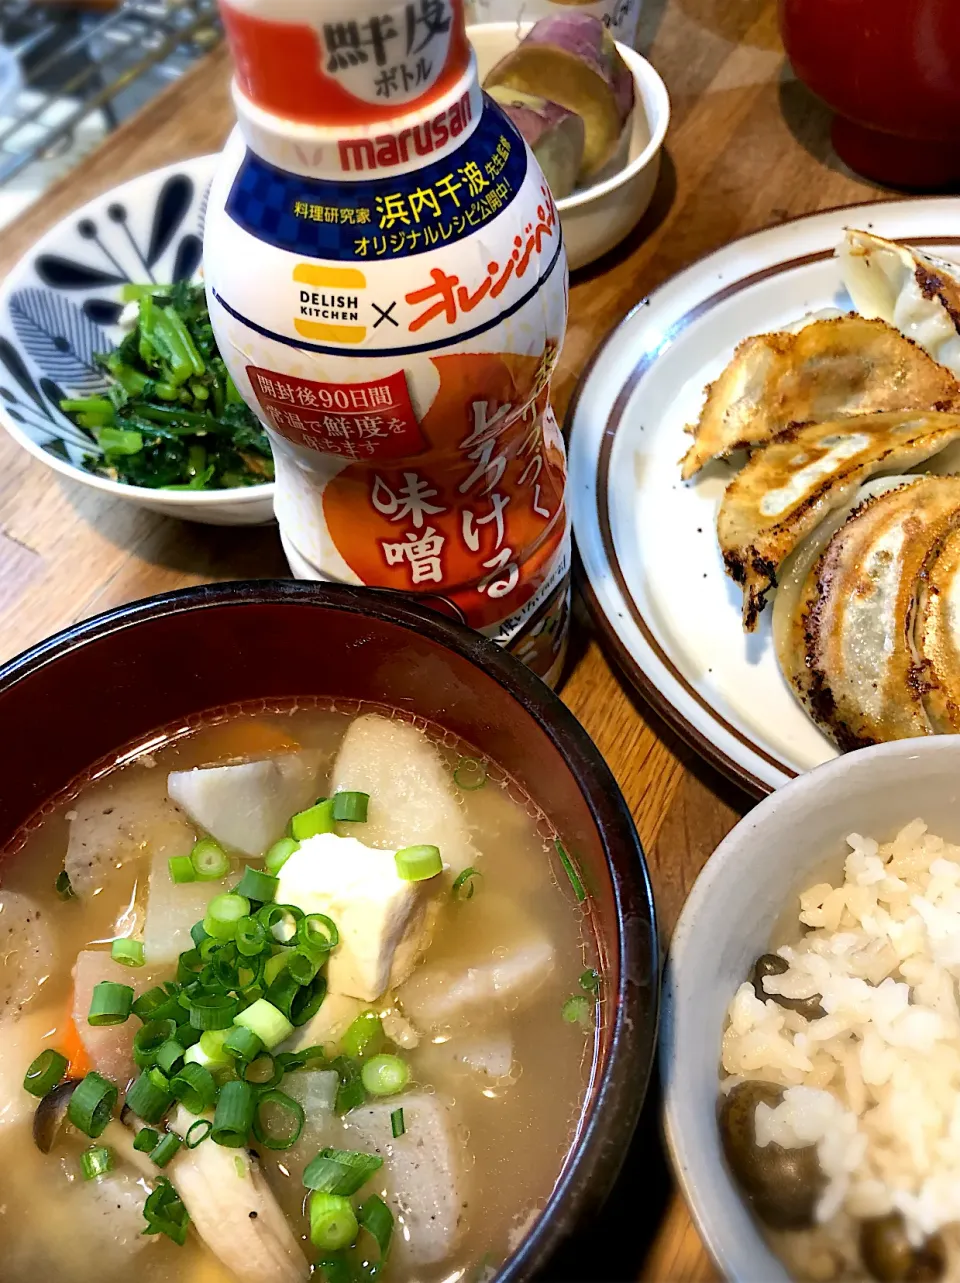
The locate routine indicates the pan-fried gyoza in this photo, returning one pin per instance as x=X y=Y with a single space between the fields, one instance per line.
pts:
x=827 y=368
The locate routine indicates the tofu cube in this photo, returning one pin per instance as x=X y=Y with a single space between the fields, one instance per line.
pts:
x=383 y=920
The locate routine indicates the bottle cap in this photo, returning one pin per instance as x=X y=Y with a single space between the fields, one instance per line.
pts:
x=333 y=64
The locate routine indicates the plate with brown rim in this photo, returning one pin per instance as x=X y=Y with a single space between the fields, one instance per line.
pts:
x=652 y=570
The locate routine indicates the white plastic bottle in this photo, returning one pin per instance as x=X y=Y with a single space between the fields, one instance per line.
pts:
x=387 y=284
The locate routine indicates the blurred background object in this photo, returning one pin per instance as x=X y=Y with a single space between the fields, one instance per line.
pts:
x=888 y=68
x=621 y=16
x=70 y=73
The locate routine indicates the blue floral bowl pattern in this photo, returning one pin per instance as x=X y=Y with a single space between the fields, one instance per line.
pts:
x=60 y=306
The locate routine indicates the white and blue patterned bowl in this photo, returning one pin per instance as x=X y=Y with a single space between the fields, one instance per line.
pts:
x=60 y=305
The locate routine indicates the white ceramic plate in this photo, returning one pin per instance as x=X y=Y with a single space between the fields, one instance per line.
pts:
x=647 y=540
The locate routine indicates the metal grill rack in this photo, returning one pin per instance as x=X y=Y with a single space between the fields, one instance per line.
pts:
x=80 y=66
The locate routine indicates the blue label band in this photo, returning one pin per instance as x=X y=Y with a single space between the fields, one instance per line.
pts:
x=432 y=345
x=391 y=216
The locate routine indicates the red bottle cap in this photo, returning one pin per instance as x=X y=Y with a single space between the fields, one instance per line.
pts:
x=330 y=64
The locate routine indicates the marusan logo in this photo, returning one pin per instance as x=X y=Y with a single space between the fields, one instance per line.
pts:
x=386 y=150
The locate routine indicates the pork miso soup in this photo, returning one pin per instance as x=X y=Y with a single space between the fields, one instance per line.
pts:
x=290 y=990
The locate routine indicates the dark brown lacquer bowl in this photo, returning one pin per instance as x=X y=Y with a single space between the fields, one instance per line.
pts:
x=106 y=684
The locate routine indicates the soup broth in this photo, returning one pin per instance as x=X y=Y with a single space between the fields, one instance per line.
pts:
x=495 y=1022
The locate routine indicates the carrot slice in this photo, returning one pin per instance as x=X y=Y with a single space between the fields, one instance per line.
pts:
x=72 y=1046
x=245 y=737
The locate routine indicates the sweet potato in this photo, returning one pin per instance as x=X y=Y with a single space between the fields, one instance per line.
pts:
x=572 y=60
x=555 y=136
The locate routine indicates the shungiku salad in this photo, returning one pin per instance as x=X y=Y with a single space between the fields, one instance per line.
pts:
x=170 y=417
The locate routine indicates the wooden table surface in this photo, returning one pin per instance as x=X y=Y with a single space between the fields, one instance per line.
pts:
x=747 y=147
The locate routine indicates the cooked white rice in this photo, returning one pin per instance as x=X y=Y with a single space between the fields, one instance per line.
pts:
x=875 y=1083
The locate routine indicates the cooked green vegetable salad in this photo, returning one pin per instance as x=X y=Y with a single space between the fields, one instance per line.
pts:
x=172 y=418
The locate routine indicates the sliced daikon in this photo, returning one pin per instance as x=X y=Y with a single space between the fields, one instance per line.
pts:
x=412 y=798
x=247 y=807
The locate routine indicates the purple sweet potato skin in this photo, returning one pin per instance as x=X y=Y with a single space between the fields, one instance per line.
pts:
x=586 y=38
x=555 y=136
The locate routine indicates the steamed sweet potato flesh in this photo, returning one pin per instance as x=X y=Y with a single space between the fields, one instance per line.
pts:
x=573 y=85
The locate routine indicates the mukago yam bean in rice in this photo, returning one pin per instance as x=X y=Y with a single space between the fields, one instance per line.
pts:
x=875 y=1082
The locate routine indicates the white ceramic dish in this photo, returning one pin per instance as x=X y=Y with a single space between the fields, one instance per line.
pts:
x=647 y=540
x=60 y=305
x=774 y=852
x=599 y=217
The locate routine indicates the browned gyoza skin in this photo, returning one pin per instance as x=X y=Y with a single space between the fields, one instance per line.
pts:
x=786 y=489
x=861 y=677
x=846 y=365
x=937 y=635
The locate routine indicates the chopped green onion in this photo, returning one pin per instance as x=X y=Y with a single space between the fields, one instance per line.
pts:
x=223 y=914
x=209 y=1052
x=385 y=1075
x=282 y=1137
x=336 y=1268
x=197 y=1133
x=166 y=1214
x=242 y=1043
x=264 y=1071
x=350 y=808
x=340 y=1171
x=148 y=1040
x=417 y=863
x=198 y=935
x=273 y=966
x=194 y=1087
x=187 y=1035
x=308 y=1001
x=463 y=887
x=263 y=1018
x=590 y=981
x=181 y=869
x=280 y=920
x=397 y=1125
x=279 y=854
x=377 y=1219
x=251 y=937
x=189 y=966
x=111 y=1004
x=146 y=1140
x=317 y=934
x=129 y=953
x=96 y=1161
x=64 y=886
x=45 y=1072
x=210 y=861
x=234 y=1116
x=159 y=1003
x=213 y=1011
x=570 y=869
x=91 y=1105
x=318 y=819
x=364 y=1037
x=170 y=1057
x=333 y=1222
x=302 y=966
x=149 y=1096
x=350 y=1093
x=168 y=1148
x=257 y=886
x=470 y=774
x=576 y=1011
x=282 y=992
